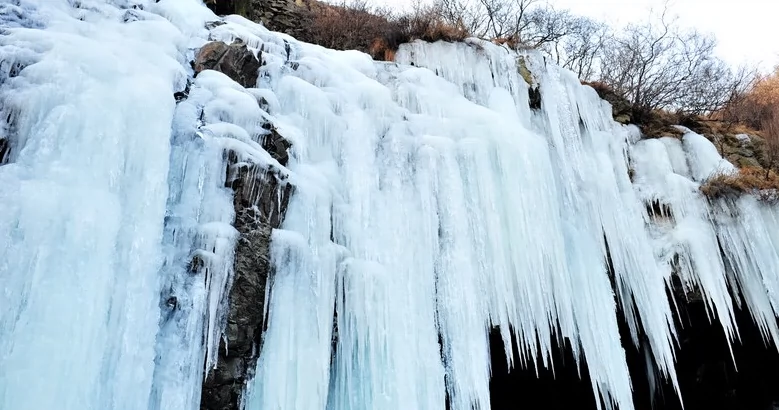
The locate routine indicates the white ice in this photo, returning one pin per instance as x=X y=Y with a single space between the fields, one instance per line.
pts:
x=431 y=205
x=106 y=196
x=82 y=205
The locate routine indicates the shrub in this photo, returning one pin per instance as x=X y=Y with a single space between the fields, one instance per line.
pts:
x=756 y=104
x=748 y=180
x=345 y=26
x=375 y=30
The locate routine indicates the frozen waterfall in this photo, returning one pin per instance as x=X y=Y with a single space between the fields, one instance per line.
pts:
x=431 y=205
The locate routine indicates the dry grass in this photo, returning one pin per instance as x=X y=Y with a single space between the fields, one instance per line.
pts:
x=714 y=127
x=748 y=181
x=375 y=30
x=621 y=109
x=511 y=42
x=756 y=104
x=659 y=123
x=600 y=87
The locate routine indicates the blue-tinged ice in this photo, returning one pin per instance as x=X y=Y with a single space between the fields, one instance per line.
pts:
x=431 y=206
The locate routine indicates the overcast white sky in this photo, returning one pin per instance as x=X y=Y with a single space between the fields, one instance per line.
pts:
x=746 y=30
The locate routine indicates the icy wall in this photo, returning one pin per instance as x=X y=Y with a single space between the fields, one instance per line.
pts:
x=431 y=205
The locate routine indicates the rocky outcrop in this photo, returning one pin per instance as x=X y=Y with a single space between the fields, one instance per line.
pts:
x=534 y=94
x=260 y=200
x=227 y=7
x=285 y=16
x=234 y=60
x=258 y=211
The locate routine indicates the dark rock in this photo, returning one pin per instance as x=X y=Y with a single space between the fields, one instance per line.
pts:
x=4 y=148
x=227 y=7
x=196 y=264
x=535 y=98
x=260 y=200
x=276 y=145
x=234 y=60
x=213 y=24
x=172 y=302
x=286 y=16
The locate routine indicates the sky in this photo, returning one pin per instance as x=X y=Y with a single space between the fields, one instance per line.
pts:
x=747 y=30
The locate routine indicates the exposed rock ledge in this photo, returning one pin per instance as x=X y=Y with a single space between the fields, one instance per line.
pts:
x=258 y=210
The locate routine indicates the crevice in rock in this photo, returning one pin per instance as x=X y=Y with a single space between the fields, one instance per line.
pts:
x=535 y=98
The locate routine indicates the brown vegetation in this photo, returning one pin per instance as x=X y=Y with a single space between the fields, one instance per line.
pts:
x=757 y=108
x=659 y=65
x=756 y=103
x=375 y=30
x=770 y=127
x=644 y=70
x=748 y=180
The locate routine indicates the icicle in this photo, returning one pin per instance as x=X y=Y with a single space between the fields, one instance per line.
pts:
x=433 y=204
x=83 y=201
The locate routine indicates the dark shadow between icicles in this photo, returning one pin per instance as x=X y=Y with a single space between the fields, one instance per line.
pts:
x=707 y=376
x=705 y=370
x=521 y=388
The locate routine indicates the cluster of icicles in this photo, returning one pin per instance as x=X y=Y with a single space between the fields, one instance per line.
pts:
x=431 y=205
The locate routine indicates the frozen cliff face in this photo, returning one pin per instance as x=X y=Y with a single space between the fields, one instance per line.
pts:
x=431 y=206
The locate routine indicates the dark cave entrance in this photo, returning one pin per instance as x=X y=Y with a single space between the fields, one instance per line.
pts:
x=707 y=377
x=520 y=388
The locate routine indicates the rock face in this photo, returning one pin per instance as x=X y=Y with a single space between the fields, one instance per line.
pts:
x=260 y=200
x=286 y=16
x=234 y=60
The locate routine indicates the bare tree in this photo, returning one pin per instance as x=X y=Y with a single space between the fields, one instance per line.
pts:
x=580 y=50
x=527 y=23
x=755 y=102
x=770 y=127
x=657 y=65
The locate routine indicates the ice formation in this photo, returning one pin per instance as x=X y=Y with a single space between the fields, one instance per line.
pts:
x=432 y=204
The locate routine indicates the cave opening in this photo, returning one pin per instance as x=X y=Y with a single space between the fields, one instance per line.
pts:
x=708 y=377
x=520 y=387
x=706 y=373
